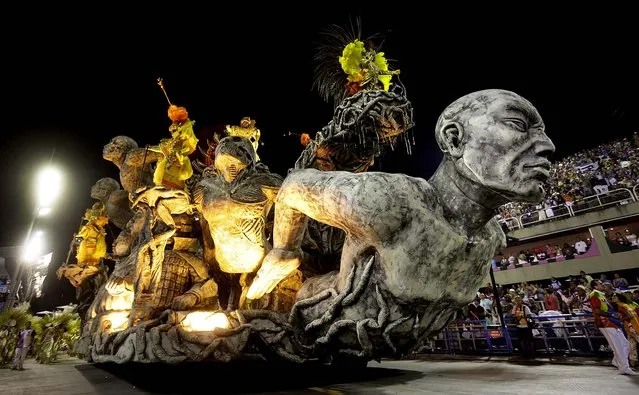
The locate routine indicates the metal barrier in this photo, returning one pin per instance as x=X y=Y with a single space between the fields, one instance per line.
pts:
x=589 y=203
x=564 y=334
x=595 y=202
x=512 y=223
x=544 y=215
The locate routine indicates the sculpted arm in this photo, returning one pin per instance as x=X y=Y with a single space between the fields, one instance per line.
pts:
x=367 y=206
x=327 y=197
x=140 y=156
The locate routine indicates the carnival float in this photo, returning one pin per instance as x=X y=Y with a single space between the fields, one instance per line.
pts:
x=219 y=259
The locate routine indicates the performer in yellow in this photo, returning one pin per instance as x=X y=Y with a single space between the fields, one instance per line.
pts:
x=93 y=245
x=628 y=310
x=175 y=167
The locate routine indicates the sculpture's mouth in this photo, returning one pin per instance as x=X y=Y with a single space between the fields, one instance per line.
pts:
x=540 y=171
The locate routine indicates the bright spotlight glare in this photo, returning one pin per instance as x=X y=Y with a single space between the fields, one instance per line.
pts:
x=49 y=186
x=33 y=248
x=44 y=211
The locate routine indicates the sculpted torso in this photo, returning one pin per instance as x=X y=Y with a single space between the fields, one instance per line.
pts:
x=402 y=219
x=236 y=215
x=135 y=171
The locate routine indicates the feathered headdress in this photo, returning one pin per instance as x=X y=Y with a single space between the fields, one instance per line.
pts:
x=346 y=64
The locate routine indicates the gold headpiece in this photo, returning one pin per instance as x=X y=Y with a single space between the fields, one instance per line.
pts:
x=248 y=130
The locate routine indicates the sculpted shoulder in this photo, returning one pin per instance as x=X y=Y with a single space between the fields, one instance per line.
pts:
x=496 y=234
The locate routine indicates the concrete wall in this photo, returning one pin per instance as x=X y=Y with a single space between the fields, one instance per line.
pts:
x=606 y=261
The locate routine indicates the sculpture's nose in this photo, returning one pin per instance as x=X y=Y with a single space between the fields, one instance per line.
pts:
x=544 y=147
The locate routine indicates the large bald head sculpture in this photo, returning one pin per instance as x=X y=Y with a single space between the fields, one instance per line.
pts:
x=497 y=140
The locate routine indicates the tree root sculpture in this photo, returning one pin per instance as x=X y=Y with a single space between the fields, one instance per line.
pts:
x=362 y=313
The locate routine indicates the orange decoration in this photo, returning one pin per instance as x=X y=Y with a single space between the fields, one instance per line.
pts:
x=305 y=139
x=353 y=87
x=178 y=114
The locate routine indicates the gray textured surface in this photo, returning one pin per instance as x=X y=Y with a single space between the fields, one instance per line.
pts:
x=416 y=251
x=401 y=377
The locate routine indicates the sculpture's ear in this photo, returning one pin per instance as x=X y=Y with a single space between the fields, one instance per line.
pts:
x=451 y=135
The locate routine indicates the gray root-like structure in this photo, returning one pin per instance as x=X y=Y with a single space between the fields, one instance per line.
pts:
x=362 y=125
x=164 y=340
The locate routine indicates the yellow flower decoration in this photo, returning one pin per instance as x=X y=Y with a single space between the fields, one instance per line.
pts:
x=351 y=59
x=380 y=61
x=385 y=80
x=365 y=69
x=382 y=64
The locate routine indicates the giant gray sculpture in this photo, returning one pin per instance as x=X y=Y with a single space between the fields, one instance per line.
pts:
x=416 y=251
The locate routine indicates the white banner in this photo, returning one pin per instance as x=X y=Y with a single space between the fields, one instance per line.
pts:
x=588 y=167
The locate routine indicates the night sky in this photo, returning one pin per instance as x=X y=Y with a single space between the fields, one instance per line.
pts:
x=74 y=83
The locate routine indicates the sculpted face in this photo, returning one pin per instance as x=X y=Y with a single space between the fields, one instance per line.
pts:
x=228 y=166
x=103 y=188
x=118 y=145
x=232 y=155
x=504 y=145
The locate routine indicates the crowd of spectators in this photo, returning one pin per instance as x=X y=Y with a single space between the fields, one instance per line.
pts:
x=554 y=298
x=564 y=296
x=590 y=172
x=542 y=254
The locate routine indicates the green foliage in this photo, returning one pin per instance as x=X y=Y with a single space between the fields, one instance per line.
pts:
x=12 y=321
x=58 y=332
x=55 y=332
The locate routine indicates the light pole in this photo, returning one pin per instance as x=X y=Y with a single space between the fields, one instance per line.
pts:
x=47 y=189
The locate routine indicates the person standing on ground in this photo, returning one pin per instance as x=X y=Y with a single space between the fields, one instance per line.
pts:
x=27 y=336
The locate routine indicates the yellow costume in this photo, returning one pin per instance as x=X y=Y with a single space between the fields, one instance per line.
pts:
x=175 y=167
x=93 y=245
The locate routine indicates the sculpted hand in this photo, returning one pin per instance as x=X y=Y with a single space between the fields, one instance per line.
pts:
x=118 y=285
x=184 y=302
x=277 y=265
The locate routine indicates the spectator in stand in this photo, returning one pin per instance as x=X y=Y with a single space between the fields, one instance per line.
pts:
x=619 y=282
x=580 y=246
x=559 y=251
x=580 y=300
x=555 y=284
x=522 y=257
x=551 y=252
x=551 y=301
x=541 y=254
x=622 y=240
x=631 y=237
x=475 y=311
x=568 y=251
x=487 y=305
x=587 y=277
